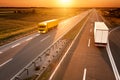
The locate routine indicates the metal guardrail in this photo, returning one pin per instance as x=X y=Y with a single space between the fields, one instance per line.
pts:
x=41 y=62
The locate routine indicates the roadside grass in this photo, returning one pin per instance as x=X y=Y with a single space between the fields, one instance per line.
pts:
x=15 y=33
x=114 y=21
x=15 y=25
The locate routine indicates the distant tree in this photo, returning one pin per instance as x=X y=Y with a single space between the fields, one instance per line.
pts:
x=114 y=12
x=33 y=11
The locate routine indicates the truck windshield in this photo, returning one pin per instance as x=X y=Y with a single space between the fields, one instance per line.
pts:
x=41 y=26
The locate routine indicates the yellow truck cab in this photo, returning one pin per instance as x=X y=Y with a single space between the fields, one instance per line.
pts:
x=43 y=27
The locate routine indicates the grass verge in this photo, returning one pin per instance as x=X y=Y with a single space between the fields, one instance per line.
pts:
x=16 y=25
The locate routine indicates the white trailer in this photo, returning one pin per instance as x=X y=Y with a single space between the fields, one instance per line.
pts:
x=100 y=34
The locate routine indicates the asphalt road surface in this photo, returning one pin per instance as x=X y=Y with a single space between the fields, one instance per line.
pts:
x=85 y=61
x=16 y=55
x=114 y=42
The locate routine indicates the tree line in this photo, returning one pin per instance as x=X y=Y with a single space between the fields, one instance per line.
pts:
x=112 y=12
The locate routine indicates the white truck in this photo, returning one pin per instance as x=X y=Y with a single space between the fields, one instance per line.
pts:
x=100 y=34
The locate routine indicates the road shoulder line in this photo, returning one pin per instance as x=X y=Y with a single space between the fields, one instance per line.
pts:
x=115 y=70
x=6 y=62
x=16 y=45
x=67 y=50
x=45 y=38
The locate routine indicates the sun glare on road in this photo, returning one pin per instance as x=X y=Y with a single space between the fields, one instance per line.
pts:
x=65 y=3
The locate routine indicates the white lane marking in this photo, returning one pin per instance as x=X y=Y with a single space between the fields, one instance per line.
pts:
x=21 y=40
x=91 y=30
x=115 y=70
x=37 y=35
x=29 y=39
x=67 y=51
x=45 y=38
x=89 y=42
x=1 y=52
x=96 y=15
x=84 y=75
x=6 y=62
x=15 y=45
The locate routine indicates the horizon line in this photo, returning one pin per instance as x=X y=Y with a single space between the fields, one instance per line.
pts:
x=51 y=7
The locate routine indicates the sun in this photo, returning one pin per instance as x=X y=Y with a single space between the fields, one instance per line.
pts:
x=65 y=3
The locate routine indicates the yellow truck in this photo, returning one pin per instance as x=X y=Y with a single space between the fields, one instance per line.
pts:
x=45 y=26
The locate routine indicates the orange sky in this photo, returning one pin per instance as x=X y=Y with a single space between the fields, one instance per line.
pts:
x=59 y=3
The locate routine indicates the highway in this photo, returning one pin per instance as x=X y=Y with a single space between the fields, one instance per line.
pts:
x=114 y=41
x=82 y=61
x=85 y=61
x=16 y=55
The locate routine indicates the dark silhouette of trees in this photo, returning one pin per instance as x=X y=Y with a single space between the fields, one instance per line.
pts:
x=114 y=12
